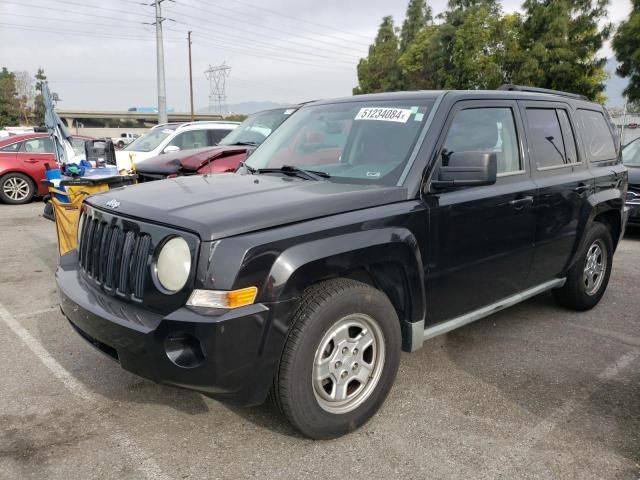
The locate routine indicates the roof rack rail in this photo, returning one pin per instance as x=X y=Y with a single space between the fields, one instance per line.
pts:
x=521 y=88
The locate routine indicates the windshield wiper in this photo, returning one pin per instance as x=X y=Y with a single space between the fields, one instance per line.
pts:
x=298 y=172
x=248 y=144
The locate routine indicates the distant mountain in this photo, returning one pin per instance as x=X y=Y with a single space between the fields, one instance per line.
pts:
x=614 y=85
x=248 y=107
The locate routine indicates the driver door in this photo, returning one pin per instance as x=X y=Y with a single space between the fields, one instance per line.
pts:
x=481 y=238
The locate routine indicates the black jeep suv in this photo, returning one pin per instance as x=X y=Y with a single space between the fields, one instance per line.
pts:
x=360 y=228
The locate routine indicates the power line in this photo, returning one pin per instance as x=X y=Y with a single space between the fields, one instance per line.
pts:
x=71 y=32
x=296 y=31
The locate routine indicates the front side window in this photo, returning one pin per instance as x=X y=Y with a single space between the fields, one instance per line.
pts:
x=597 y=136
x=485 y=130
x=218 y=134
x=353 y=142
x=37 y=145
x=546 y=141
x=190 y=139
x=631 y=154
x=257 y=127
x=150 y=140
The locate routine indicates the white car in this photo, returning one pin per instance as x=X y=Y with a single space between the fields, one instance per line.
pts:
x=172 y=137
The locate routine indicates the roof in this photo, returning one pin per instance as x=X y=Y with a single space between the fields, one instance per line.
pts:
x=22 y=136
x=459 y=94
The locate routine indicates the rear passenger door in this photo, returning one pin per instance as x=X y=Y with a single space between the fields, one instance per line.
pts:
x=481 y=238
x=564 y=185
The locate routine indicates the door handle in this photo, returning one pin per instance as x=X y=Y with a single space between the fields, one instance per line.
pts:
x=582 y=188
x=520 y=203
x=31 y=160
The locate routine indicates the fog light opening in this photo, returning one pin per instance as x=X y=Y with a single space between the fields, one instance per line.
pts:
x=183 y=349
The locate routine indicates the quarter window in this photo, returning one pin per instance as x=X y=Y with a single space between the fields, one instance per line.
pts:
x=485 y=130
x=546 y=140
x=14 y=147
x=598 y=138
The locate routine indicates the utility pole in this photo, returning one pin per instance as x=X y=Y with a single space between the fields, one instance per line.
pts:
x=162 y=93
x=190 y=77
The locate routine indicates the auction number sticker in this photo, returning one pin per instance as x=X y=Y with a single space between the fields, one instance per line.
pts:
x=400 y=115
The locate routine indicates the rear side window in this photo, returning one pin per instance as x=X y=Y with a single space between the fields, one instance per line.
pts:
x=547 y=144
x=598 y=139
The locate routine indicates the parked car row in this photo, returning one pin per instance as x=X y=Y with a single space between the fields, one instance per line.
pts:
x=359 y=228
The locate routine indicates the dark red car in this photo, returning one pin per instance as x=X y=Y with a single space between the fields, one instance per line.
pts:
x=22 y=160
x=224 y=157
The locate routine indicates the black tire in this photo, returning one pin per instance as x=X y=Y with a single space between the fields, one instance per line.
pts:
x=17 y=197
x=323 y=308
x=575 y=293
x=120 y=144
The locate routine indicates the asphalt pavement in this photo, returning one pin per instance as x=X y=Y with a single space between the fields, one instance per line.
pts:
x=534 y=391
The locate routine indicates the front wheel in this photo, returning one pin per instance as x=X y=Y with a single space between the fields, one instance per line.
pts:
x=587 y=280
x=340 y=359
x=16 y=188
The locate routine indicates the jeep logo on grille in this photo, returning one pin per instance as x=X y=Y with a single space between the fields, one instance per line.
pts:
x=113 y=204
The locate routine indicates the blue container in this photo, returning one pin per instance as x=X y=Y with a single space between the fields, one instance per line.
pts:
x=54 y=175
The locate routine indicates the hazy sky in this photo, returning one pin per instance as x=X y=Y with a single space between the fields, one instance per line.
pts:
x=99 y=55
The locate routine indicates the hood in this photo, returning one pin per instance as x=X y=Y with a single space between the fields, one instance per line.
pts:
x=189 y=160
x=218 y=206
x=634 y=175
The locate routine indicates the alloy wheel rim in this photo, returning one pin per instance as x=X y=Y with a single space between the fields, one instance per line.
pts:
x=348 y=363
x=595 y=267
x=16 y=188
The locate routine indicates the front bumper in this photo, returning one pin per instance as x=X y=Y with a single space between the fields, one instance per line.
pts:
x=236 y=351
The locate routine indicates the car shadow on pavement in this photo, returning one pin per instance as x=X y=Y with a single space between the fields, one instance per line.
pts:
x=539 y=362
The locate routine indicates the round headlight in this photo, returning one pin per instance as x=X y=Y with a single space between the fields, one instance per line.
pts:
x=173 y=265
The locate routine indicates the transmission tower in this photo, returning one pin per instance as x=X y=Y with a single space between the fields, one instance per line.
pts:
x=217 y=77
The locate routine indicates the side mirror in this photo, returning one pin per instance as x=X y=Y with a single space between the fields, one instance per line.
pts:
x=171 y=148
x=468 y=169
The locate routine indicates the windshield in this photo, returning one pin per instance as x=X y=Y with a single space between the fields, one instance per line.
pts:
x=150 y=140
x=631 y=153
x=354 y=142
x=257 y=127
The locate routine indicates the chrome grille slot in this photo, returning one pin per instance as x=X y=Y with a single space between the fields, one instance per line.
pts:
x=115 y=258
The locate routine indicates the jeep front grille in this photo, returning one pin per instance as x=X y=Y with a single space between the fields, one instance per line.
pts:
x=114 y=258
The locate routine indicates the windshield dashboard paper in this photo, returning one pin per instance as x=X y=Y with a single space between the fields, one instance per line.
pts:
x=400 y=115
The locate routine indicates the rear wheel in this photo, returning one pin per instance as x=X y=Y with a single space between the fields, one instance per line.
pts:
x=120 y=144
x=588 y=278
x=16 y=188
x=340 y=359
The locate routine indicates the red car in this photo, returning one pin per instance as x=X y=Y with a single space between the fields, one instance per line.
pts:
x=225 y=157
x=22 y=160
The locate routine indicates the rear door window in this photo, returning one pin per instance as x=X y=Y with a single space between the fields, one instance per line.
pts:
x=599 y=142
x=14 y=147
x=547 y=145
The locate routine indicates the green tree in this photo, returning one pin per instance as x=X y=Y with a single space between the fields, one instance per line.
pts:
x=626 y=44
x=38 y=101
x=380 y=71
x=9 y=101
x=466 y=51
x=418 y=17
x=560 y=40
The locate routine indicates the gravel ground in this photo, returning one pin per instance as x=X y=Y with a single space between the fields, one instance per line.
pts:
x=534 y=391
